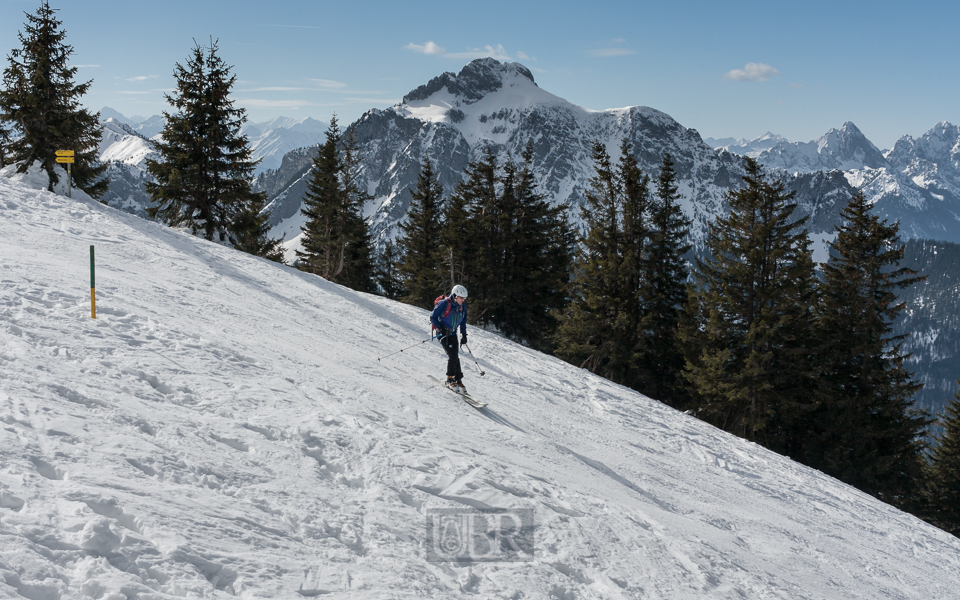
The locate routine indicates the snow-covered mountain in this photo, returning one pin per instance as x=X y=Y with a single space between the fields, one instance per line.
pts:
x=122 y=144
x=931 y=162
x=147 y=127
x=224 y=428
x=916 y=183
x=124 y=150
x=126 y=146
x=744 y=147
x=841 y=149
x=271 y=140
x=497 y=107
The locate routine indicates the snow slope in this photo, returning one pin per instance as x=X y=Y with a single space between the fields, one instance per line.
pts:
x=224 y=428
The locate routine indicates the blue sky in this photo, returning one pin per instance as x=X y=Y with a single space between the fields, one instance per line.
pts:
x=736 y=69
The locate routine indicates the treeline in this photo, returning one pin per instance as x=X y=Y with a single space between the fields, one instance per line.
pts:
x=932 y=318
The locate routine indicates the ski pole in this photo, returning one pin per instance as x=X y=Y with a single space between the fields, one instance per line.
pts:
x=475 y=360
x=408 y=347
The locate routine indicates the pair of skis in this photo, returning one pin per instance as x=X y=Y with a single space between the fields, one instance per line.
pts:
x=466 y=397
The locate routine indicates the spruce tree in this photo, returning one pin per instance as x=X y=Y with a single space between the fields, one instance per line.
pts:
x=536 y=242
x=336 y=241
x=868 y=435
x=42 y=103
x=458 y=240
x=5 y=140
x=359 y=273
x=635 y=189
x=387 y=274
x=419 y=243
x=323 y=251
x=204 y=168
x=478 y=237
x=600 y=326
x=514 y=248
x=664 y=292
x=943 y=477
x=749 y=335
x=251 y=232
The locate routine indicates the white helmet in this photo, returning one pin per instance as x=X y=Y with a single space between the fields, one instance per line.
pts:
x=459 y=291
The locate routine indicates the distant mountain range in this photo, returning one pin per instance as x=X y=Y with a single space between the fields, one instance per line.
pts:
x=743 y=147
x=491 y=106
x=126 y=145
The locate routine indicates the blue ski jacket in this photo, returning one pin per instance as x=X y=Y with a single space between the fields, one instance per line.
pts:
x=457 y=317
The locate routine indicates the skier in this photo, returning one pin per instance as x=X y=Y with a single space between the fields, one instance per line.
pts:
x=449 y=314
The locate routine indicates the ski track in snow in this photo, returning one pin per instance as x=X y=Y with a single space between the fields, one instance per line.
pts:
x=224 y=428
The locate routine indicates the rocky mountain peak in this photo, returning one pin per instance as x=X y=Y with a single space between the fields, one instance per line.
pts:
x=935 y=150
x=856 y=148
x=475 y=80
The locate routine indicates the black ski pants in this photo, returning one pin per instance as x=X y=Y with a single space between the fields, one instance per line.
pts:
x=452 y=348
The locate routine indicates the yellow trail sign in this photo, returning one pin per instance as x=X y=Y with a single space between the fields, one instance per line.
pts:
x=64 y=159
x=64 y=152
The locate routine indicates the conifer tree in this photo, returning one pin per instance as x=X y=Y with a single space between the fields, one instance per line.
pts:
x=600 y=326
x=749 y=332
x=457 y=237
x=664 y=292
x=323 y=241
x=536 y=242
x=419 y=243
x=251 y=232
x=943 y=477
x=42 y=103
x=515 y=249
x=359 y=273
x=868 y=435
x=477 y=236
x=5 y=140
x=634 y=186
x=387 y=273
x=204 y=167
x=336 y=241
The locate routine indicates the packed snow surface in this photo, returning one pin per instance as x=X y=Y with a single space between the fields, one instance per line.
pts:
x=224 y=427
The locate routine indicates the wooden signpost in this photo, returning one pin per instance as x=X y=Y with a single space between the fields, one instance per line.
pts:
x=66 y=156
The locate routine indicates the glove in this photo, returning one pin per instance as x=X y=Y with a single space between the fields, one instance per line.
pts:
x=463 y=340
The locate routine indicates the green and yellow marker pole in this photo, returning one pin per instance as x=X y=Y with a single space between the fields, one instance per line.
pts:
x=93 y=287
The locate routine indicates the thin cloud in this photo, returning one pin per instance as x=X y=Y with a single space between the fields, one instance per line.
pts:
x=141 y=78
x=428 y=48
x=796 y=85
x=87 y=66
x=497 y=52
x=752 y=72
x=327 y=84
